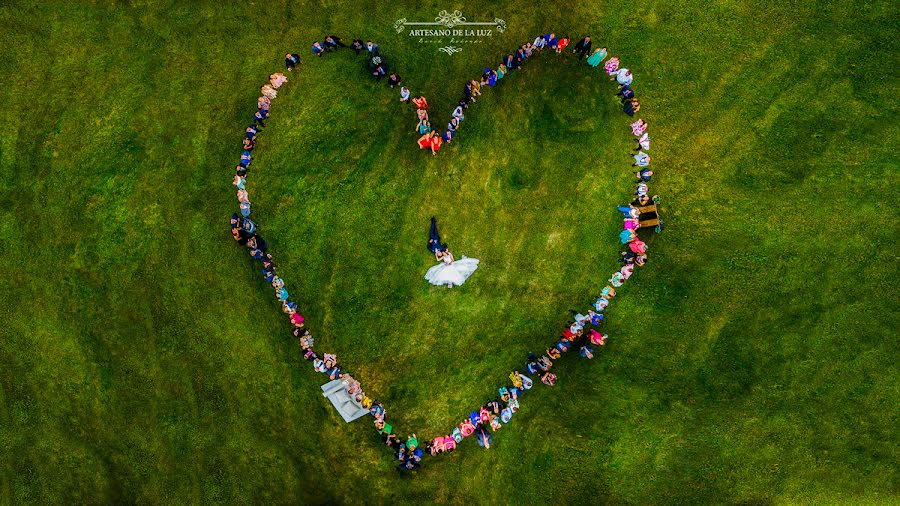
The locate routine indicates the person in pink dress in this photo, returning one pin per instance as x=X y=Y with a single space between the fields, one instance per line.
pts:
x=638 y=127
x=612 y=65
x=598 y=339
x=467 y=428
x=637 y=246
x=277 y=79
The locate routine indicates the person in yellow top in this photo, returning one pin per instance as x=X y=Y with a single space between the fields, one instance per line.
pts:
x=516 y=380
x=476 y=88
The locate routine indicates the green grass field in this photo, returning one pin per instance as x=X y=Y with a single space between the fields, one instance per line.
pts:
x=143 y=359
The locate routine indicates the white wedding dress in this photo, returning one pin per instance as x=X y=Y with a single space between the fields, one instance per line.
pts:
x=455 y=273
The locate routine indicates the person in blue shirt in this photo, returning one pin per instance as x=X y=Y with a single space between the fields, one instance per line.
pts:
x=408 y=465
x=380 y=71
x=467 y=94
x=518 y=59
x=628 y=211
x=317 y=48
x=526 y=383
x=458 y=112
x=291 y=60
x=552 y=41
x=277 y=282
x=250 y=132
x=357 y=45
x=641 y=159
x=484 y=438
x=249 y=226
x=333 y=42
x=260 y=117
x=372 y=48
x=626 y=92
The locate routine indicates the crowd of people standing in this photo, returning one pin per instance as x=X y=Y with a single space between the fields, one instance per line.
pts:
x=579 y=333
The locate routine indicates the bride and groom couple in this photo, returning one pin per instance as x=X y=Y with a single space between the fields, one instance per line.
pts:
x=449 y=271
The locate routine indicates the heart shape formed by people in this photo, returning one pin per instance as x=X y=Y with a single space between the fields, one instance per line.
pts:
x=347 y=393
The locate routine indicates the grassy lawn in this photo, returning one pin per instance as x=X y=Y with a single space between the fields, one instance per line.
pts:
x=143 y=359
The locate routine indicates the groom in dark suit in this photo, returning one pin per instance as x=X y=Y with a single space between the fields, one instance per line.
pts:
x=434 y=239
x=582 y=47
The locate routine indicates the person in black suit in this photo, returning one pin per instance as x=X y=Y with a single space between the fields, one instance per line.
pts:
x=582 y=47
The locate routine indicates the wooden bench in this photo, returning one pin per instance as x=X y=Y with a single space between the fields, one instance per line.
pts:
x=649 y=216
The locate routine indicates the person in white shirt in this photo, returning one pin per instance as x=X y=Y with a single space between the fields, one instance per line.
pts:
x=624 y=77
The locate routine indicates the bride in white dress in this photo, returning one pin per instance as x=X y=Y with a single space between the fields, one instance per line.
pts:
x=450 y=272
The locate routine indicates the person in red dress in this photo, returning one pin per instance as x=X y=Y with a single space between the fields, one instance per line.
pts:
x=436 y=142
x=431 y=140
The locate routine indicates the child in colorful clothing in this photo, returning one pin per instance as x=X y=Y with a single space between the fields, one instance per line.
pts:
x=548 y=378
x=598 y=339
